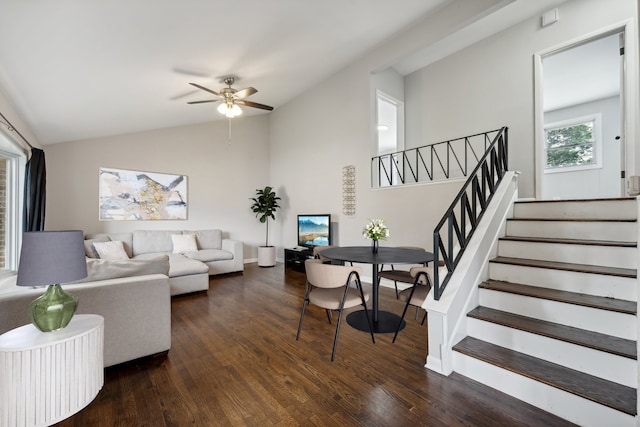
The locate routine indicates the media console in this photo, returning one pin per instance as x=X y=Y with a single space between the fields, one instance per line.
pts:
x=294 y=258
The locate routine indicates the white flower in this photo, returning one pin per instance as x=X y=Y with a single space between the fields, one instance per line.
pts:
x=376 y=230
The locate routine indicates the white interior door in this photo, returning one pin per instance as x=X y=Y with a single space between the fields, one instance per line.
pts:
x=621 y=137
x=582 y=98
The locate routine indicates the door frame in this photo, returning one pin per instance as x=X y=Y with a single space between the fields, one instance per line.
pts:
x=629 y=99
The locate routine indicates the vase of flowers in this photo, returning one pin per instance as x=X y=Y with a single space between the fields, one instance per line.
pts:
x=376 y=231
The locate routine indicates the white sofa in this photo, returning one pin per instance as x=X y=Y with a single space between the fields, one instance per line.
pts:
x=136 y=308
x=189 y=271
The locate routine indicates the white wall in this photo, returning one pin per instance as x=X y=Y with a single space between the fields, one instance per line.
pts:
x=490 y=84
x=482 y=87
x=222 y=176
x=329 y=127
x=598 y=182
x=7 y=109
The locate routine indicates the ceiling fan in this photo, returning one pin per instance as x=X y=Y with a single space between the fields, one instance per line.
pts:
x=230 y=98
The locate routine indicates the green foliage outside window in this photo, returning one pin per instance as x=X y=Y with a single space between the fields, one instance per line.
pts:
x=570 y=145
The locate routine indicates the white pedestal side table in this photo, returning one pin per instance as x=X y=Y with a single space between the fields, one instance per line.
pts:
x=46 y=377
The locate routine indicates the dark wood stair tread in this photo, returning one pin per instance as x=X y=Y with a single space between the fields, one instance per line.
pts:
x=602 y=303
x=580 y=268
x=608 y=393
x=597 y=341
x=614 y=199
x=569 y=241
x=571 y=219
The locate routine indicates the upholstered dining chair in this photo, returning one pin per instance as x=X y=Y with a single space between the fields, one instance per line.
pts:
x=402 y=276
x=416 y=294
x=333 y=287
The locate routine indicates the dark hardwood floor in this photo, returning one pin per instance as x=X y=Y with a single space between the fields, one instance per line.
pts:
x=234 y=361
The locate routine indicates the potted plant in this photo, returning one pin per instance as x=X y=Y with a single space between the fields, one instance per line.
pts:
x=264 y=206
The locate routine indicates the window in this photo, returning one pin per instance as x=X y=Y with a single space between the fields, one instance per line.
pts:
x=12 y=162
x=390 y=136
x=573 y=145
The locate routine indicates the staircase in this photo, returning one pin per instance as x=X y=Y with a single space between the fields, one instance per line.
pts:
x=556 y=324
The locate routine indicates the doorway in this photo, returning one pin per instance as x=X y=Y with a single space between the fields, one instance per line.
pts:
x=581 y=140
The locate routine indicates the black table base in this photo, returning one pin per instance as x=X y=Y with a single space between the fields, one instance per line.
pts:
x=386 y=324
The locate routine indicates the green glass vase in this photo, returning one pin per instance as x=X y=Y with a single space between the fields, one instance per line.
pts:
x=53 y=310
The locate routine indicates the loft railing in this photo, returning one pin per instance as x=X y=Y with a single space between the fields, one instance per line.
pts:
x=464 y=214
x=434 y=162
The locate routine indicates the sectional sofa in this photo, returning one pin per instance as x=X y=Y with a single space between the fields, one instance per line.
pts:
x=133 y=290
x=189 y=266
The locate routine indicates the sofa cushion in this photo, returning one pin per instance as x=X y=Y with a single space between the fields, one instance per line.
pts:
x=207 y=239
x=179 y=265
x=104 y=269
x=152 y=241
x=111 y=250
x=152 y=255
x=208 y=255
x=183 y=243
x=182 y=266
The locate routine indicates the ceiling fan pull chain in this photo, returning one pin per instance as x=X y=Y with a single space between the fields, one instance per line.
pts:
x=229 y=130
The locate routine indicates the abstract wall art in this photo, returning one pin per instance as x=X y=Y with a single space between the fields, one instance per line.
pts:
x=127 y=195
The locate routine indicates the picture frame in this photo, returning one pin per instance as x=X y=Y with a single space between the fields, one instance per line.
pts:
x=129 y=195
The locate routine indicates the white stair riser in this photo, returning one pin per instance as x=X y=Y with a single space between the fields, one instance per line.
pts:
x=597 y=209
x=621 y=370
x=565 y=405
x=585 y=283
x=590 y=230
x=602 y=321
x=608 y=256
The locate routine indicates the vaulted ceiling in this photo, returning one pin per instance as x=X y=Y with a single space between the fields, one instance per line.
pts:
x=77 y=69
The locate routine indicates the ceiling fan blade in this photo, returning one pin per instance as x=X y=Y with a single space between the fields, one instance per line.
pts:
x=205 y=89
x=254 y=104
x=245 y=92
x=202 y=102
x=183 y=95
x=192 y=72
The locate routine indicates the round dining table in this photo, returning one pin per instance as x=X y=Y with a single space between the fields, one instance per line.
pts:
x=383 y=321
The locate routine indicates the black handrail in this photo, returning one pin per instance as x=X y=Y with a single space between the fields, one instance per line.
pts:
x=481 y=186
x=446 y=159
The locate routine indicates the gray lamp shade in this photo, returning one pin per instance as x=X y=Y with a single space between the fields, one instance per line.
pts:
x=51 y=257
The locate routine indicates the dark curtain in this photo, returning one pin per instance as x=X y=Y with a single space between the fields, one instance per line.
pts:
x=35 y=192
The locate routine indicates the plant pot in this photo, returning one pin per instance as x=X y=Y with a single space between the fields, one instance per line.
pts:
x=266 y=256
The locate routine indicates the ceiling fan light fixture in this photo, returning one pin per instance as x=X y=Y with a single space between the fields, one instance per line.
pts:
x=229 y=97
x=230 y=110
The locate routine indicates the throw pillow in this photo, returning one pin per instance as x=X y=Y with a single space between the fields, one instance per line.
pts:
x=89 y=250
x=111 y=250
x=184 y=243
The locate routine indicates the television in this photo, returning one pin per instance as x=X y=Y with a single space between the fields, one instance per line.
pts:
x=314 y=230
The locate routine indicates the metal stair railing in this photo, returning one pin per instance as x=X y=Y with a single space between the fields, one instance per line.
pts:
x=468 y=207
x=433 y=162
